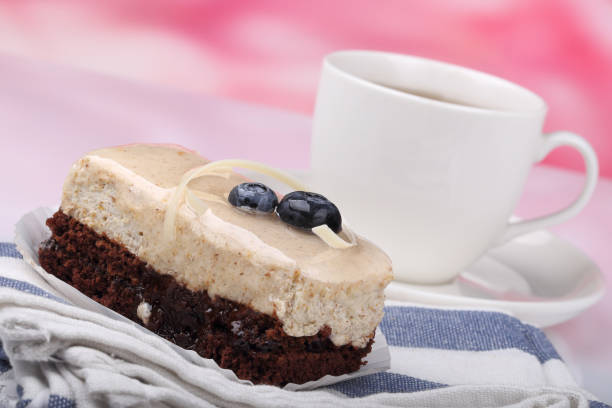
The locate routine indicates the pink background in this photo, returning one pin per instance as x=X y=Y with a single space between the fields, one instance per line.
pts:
x=270 y=51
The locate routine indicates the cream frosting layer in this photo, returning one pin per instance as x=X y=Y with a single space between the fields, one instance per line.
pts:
x=255 y=260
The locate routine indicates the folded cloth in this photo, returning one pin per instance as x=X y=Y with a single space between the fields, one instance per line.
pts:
x=56 y=354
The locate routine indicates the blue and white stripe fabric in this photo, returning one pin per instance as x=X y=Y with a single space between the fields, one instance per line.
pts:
x=57 y=355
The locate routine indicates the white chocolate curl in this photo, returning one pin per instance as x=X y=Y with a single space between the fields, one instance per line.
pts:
x=330 y=237
x=221 y=167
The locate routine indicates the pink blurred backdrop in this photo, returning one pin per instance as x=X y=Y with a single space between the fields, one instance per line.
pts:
x=270 y=51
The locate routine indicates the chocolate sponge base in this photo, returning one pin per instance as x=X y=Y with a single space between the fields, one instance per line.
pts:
x=250 y=343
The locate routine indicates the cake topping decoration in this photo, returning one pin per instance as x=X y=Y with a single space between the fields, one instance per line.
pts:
x=310 y=210
x=332 y=239
x=253 y=198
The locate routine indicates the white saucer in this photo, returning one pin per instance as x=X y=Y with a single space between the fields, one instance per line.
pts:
x=537 y=278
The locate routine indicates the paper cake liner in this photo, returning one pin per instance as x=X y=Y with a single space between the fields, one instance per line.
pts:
x=31 y=231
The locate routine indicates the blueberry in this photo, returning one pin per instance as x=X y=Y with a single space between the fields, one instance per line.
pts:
x=253 y=197
x=308 y=210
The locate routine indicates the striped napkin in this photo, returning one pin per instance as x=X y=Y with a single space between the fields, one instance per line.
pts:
x=58 y=355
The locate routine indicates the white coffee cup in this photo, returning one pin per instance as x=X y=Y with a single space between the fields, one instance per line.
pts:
x=428 y=159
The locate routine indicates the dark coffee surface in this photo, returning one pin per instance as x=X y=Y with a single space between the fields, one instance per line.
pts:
x=436 y=96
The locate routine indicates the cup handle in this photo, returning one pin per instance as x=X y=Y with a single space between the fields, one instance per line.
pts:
x=551 y=142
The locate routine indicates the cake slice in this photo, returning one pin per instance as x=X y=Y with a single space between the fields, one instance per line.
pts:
x=274 y=303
